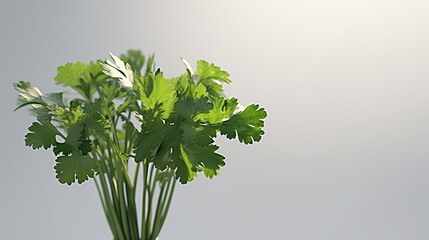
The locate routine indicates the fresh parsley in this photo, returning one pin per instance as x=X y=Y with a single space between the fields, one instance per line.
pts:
x=128 y=113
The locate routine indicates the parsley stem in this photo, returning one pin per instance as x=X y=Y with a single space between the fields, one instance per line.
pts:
x=117 y=227
x=159 y=208
x=136 y=175
x=170 y=197
x=145 y=188
x=103 y=203
x=151 y=187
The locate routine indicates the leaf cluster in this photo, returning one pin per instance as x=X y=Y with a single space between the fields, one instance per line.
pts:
x=129 y=110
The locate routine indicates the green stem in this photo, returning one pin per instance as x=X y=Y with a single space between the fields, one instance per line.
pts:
x=109 y=205
x=145 y=188
x=170 y=197
x=106 y=212
x=163 y=206
x=136 y=175
x=110 y=174
x=122 y=206
x=115 y=205
x=151 y=188
x=159 y=207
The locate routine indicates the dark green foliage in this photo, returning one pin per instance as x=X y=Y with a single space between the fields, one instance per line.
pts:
x=75 y=167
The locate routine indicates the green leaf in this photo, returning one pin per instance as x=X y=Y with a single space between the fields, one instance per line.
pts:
x=222 y=109
x=85 y=146
x=69 y=116
x=76 y=140
x=127 y=104
x=209 y=71
x=210 y=173
x=80 y=77
x=150 y=139
x=188 y=108
x=136 y=60
x=162 y=158
x=75 y=121
x=187 y=88
x=41 y=135
x=150 y=64
x=95 y=70
x=55 y=98
x=43 y=115
x=247 y=125
x=197 y=134
x=158 y=95
x=184 y=170
x=211 y=76
x=70 y=74
x=204 y=156
x=75 y=167
x=64 y=148
x=96 y=120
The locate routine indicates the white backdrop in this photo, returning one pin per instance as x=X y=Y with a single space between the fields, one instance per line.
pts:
x=345 y=83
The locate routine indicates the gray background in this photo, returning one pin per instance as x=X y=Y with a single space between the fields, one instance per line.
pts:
x=344 y=82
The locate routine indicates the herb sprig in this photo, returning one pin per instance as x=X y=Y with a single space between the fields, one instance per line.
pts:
x=129 y=113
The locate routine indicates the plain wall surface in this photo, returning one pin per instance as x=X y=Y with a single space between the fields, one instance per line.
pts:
x=345 y=84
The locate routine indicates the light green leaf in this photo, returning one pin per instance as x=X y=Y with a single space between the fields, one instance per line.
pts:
x=222 y=110
x=158 y=95
x=69 y=116
x=209 y=71
x=211 y=76
x=79 y=76
x=247 y=125
x=210 y=173
x=70 y=74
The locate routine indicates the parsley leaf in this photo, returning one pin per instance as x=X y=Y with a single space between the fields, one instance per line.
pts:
x=41 y=135
x=204 y=156
x=211 y=76
x=76 y=140
x=79 y=76
x=150 y=139
x=247 y=125
x=157 y=94
x=222 y=109
x=70 y=74
x=75 y=166
x=185 y=172
x=209 y=71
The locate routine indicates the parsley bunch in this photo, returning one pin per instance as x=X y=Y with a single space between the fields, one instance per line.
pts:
x=127 y=112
